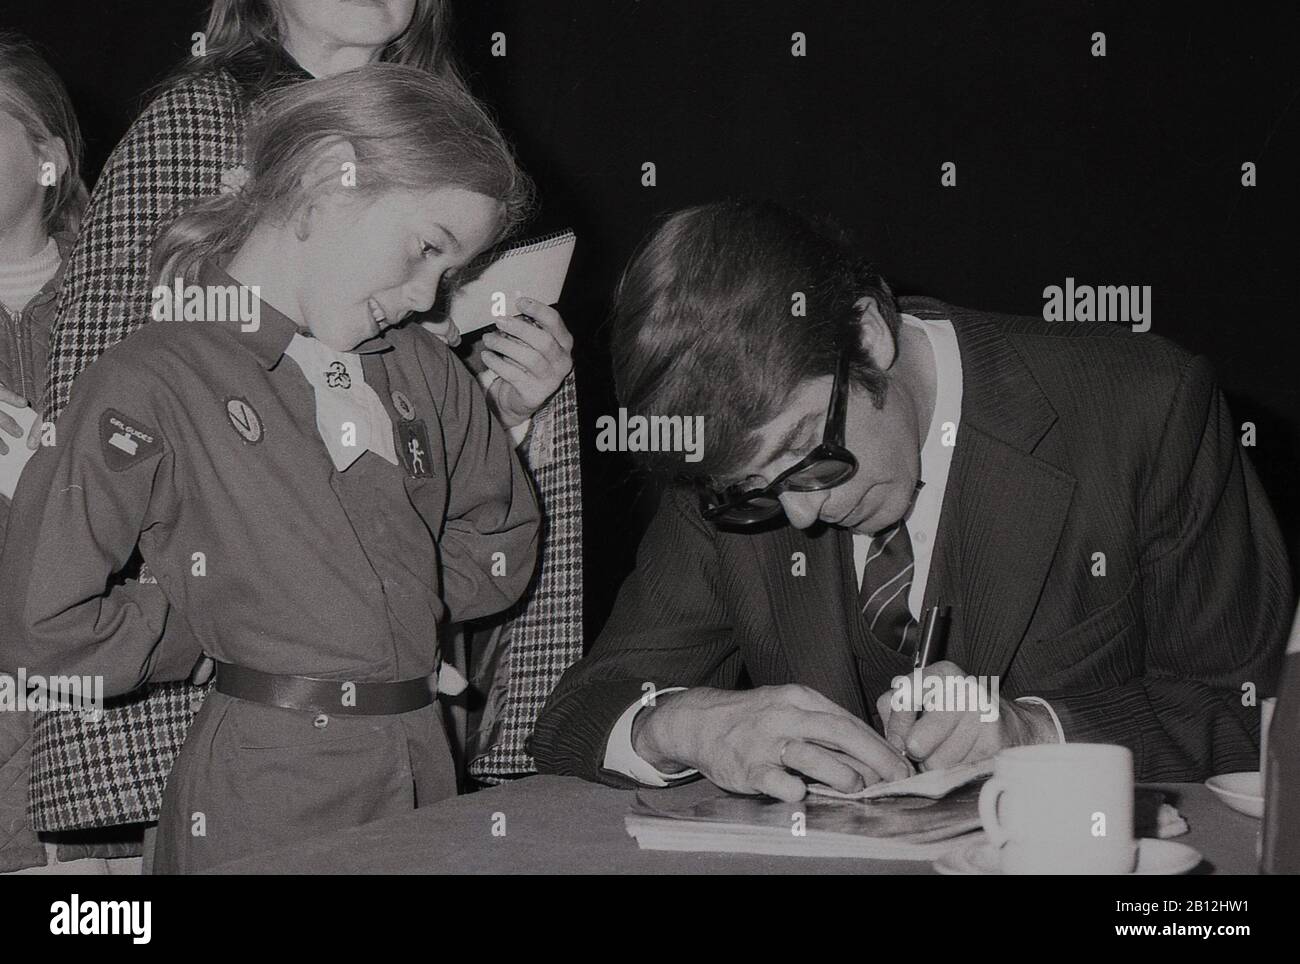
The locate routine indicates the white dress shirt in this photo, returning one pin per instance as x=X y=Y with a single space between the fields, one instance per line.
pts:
x=922 y=527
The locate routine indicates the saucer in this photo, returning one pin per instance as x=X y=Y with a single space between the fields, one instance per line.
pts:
x=1154 y=857
x=1244 y=791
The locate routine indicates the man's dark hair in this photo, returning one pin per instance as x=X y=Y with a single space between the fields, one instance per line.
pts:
x=708 y=321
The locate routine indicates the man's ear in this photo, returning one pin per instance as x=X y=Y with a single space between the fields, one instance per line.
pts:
x=877 y=339
x=330 y=175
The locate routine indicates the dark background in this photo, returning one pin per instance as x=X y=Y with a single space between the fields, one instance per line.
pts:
x=1117 y=170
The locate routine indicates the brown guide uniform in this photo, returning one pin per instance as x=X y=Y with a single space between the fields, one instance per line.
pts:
x=198 y=442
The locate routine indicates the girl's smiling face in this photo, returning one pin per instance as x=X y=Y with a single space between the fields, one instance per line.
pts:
x=365 y=265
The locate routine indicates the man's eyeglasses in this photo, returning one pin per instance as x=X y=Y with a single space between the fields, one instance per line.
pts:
x=828 y=465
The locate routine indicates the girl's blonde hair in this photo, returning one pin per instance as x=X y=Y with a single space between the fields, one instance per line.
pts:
x=411 y=130
x=236 y=27
x=32 y=92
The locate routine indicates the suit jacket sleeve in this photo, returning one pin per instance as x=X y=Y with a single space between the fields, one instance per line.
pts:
x=670 y=627
x=1215 y=600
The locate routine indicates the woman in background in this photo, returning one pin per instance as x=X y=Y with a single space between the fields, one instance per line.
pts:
x=188 y=144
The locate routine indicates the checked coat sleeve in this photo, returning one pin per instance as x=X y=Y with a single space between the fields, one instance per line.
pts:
x=545 y=634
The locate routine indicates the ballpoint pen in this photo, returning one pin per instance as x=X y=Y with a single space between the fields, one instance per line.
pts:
x=932 y=647
x=934 y=636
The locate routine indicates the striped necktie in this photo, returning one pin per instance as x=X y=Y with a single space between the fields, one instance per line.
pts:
x=886 y=584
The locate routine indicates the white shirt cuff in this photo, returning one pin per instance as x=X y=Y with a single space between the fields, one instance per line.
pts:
x=517 y=432
x=1056 y=720
x=620 y=757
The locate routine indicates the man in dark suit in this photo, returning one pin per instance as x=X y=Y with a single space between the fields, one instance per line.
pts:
x=1075 y=493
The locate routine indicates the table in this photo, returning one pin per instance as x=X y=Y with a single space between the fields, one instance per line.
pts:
x=566 y=825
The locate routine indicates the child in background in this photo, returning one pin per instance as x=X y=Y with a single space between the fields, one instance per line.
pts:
x=314 y=489
x=42 y=198
x=41 y=201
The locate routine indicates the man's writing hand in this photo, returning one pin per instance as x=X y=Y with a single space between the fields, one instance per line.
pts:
x=947 y=736
x=759 y=741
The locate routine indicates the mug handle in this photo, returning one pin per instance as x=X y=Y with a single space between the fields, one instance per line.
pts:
x=990 y=794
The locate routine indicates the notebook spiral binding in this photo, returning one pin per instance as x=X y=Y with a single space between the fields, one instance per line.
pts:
x=535 y=244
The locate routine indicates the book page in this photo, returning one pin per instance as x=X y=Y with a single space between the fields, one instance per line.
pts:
x=932 y=784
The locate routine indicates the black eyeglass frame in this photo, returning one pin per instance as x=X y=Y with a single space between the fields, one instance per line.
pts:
x=736 y=508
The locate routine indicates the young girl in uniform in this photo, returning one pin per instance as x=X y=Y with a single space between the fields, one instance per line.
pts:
x=314 y=489
x=180 y=148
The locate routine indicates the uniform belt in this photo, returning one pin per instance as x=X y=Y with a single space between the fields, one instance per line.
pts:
x=323 y=695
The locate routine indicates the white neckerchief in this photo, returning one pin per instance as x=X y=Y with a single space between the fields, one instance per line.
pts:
x=347 y=409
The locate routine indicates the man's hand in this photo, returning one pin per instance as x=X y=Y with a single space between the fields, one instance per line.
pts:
x=11 y=427
x=532 y=360
x=945 y=737
x=750 y=741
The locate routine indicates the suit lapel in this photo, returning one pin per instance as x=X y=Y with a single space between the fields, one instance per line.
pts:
x=1001 y=521
x=1003 y=509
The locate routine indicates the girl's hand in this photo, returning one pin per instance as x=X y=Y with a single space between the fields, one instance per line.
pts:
x=8 y=425
x=532 y=360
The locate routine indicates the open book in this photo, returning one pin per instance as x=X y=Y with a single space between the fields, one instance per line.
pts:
x=897 y=826
x=535 y=269
x=918 y=818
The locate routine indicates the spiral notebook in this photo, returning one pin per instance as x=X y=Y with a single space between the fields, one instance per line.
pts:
x=535 y=269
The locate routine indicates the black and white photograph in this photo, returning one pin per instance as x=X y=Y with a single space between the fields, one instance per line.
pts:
x=649 y=437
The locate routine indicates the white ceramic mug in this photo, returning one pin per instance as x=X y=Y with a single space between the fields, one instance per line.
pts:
x=1064 y=808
